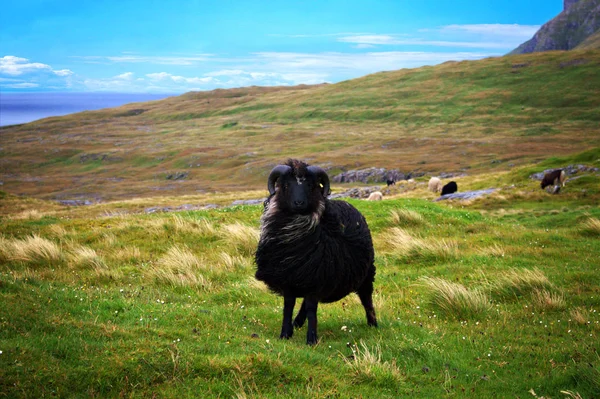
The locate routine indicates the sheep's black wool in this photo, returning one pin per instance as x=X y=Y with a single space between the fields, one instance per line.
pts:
x=311 y=247
x=450 y=188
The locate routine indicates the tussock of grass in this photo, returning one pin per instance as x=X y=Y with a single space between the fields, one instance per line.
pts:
x=29 y=214
x=180 y=267
x=406 y=217
x=243 y=238
x=580 y=315
x=403 y=245
x=128 y=254
x=366 y=364
x=234 y=262
x=201 y=227
x=34 y=249
x=495 y=250
x=519 y=282
x=545 y=300
x=455 y=300
x=88 y=258
x=58 y=230
x=591 y=227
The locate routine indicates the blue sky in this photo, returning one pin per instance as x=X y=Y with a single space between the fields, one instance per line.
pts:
x=178 y=46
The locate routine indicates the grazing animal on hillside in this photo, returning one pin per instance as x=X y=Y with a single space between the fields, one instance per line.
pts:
x=375 y=196
x=435 y=185
x=450 y=188
x=554 y=178
x=390 y=182
x=311 y=247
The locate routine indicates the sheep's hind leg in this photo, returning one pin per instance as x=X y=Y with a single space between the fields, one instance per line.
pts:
x=301 y=316
x=311 y=315
x=365 y=293
x=287 y=329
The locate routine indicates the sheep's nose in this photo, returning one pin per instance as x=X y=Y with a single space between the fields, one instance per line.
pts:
x=299 y=203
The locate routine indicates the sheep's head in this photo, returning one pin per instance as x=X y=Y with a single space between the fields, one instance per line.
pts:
x=298 y=188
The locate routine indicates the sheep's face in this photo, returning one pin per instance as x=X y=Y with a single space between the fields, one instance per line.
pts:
x=298 y=188
x=298 y=194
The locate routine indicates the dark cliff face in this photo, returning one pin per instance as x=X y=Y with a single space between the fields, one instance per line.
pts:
x=579 y=20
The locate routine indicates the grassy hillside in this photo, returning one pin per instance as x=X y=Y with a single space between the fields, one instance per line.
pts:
x=591 y=43
x=494 y=297
x=474 y=117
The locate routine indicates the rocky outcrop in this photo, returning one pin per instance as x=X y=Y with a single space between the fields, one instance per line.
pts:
x=467 y=195
x=579 y=20
x=373 y=175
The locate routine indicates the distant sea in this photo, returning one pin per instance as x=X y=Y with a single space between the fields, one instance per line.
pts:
x=18 y=108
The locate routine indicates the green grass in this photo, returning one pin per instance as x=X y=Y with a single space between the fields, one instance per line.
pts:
x=109 y=304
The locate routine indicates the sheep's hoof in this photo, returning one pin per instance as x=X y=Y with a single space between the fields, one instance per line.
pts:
x=311 y=338
x=286 y=333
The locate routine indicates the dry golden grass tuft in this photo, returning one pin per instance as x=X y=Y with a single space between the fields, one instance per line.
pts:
x=87 y=257
x=34 y=249
x=180 y=267
x=590 y=227
x=256 y=285
x=401 y=244
x=230 y=263
x=406 y=217
x=243 y=238
x=580 y=315
x=366 y=363
x=32 y=214
x=545 y=300
x=201 y=227
x=455 y=299
x=495 y=250
x=519 y=282
x=128 y=254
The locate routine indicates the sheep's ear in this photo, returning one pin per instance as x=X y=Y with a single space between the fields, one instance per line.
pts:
x=275 y=174
x=322 y=179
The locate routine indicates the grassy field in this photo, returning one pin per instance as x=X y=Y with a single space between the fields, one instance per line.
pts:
x=494 y=297
x=136 y=295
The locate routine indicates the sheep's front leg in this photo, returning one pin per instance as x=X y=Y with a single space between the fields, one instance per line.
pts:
x=311 y=314
x=287 y=329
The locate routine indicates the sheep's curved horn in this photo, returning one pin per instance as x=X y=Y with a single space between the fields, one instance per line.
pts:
x=275 y=173
x=321 y=178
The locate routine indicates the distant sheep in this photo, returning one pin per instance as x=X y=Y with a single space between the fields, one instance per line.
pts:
x=435 y=185
x=554 y=178
x=375 y=196
x=450 y=188
x=390 y=182
x=311 y=247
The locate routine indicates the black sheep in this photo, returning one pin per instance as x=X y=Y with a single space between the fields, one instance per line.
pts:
x=450 y=188
x=311 y=247
x=390 y=182
x=554 y=178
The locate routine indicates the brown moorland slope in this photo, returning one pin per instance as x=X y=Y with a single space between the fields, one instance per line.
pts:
x=470 y=116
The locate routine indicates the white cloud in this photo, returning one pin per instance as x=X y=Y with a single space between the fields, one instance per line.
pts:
x=16 y=66
x=125 y=76
x=498 y=30
x=136 y=59
x=483 y=36
x=24 y=85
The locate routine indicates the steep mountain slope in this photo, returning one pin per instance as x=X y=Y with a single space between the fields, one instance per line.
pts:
x=578 y=21
x=463 y=117
x=592 y=42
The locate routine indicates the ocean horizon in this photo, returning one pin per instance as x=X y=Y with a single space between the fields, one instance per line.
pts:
x=18 y=108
